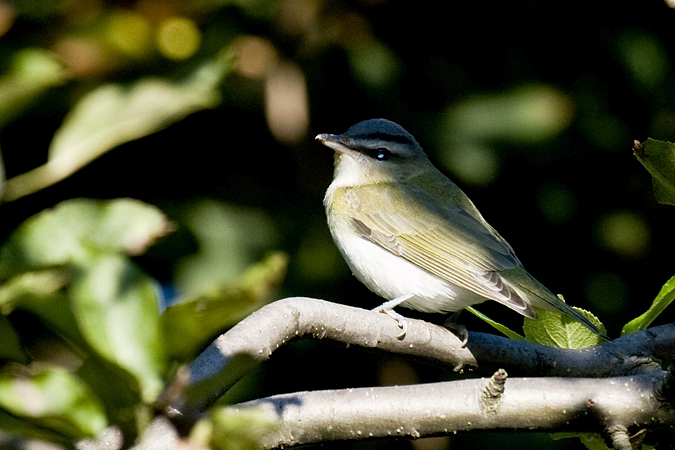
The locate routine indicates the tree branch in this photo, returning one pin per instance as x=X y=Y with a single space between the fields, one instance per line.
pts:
x=608 y=406
x=254 y=339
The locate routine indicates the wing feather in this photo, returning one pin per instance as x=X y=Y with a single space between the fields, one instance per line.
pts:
x=449 y=243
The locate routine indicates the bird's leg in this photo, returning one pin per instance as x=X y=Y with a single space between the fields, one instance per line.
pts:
x=459 y=329
x=388 y=309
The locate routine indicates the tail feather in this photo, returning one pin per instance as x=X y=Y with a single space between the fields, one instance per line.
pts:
x=537 y=295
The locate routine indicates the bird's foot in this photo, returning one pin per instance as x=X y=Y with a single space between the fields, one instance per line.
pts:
x=388 y=309
x=458 y=329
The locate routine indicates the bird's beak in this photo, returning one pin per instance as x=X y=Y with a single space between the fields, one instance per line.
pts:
x=333 y=141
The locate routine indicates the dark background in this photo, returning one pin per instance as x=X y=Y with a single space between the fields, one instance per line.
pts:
x=573 y=202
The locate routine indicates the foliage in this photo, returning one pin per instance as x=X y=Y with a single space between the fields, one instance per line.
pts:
x=71 y=266
x=79 y=79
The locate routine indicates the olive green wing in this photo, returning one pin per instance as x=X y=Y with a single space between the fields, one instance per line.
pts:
x=447 y=241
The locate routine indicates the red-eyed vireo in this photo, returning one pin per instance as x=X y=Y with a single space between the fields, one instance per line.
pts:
x=413 y=237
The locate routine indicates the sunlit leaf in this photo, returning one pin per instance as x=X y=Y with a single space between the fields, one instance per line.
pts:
x=113 y=114
x=193 y=322
x=54 y=399
x=658 y=157
x=30 y=284
x=558 y=330
x=116 y=308
x=227 y=429
x=55 y=236
x=32 y=72
x=230 y=239
x=662 y=300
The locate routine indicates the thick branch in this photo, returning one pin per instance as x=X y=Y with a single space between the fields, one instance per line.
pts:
x=544 y=404
x=255 y=338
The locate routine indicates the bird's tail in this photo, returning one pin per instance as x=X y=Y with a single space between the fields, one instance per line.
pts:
x=540 y=296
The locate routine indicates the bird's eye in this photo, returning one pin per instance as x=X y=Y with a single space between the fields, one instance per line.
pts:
x=381 y=154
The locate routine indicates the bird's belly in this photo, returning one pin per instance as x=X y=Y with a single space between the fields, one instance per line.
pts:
x=391 y=276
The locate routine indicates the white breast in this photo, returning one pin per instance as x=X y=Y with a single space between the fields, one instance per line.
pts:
x=391 y=276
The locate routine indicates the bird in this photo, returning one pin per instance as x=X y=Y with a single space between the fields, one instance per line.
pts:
x=414 y=238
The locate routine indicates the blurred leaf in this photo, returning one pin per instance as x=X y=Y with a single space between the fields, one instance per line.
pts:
x=230 y=239
x=527 y=114
x=112 y=305
x=30 y=284
x=644 y=57
x=55 y=236
x=118 y=390
x=116 y=307
x=41 y=294
x=555 y=329
x=33 y=71
x=54 y=399
x=2 y=176
x=14 y=427
x=658 y=157
x=113 y=114
x=374 y=63
x=227 y=429
x=192 y=323
x=506 y=331
x=662 y=300
x=128 y=226
x=10 y=345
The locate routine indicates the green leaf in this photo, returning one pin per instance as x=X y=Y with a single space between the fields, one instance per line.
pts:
x=30 y=284
x=506 y=331
x=41 y=294
x=54 y=399
x=111 y=306
x=116 y=308
x=555 y=329
x=228 y=429
x=15 y=427
x=113 y=114
x=56 y=236
x=243 y=234
x=658 y=157
x=192 y=323
x=662 y=300
x=591 y=441
x=32 y=72
x=118 y=390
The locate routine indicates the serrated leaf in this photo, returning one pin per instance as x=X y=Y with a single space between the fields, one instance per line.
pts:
x=117 y=312
x=555 y=329
x=55 y=236
x=658 y=157
x=53 y=399
x=506 y=331
x=664 y=298
x=190 y=324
